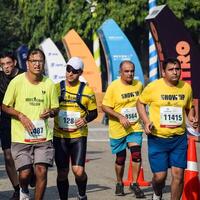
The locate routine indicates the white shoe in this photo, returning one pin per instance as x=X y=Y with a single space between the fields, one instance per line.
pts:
x=24 y=196
x=155 y=197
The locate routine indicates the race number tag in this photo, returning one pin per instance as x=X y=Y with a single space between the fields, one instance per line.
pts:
x=131 y=114
x=38 y=134
x=171 y=117
x=66 y=119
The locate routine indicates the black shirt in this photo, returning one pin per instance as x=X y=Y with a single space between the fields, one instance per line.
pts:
x=4 y=82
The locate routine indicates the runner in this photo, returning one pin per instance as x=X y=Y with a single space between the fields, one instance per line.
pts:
x=77 y=108
x=31 y=99
x=124 y=125
x=169 y=100
x=8 y=64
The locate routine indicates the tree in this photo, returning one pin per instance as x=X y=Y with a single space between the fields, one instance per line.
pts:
x=9 y=26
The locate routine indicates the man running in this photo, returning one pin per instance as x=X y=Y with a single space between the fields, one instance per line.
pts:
x=77 y=108
x=169 y=100
x=8 y=64
x=31 y=99
x=124 y=125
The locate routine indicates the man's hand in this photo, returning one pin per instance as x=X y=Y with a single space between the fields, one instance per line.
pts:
x=124 y=121
x=47 y=113
x=193 y=121
x=26 y=122
x=81 y=122
x=148 y=127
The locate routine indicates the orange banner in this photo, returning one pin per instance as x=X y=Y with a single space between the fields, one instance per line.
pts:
x=75 y=46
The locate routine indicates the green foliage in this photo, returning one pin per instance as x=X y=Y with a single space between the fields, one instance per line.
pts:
x=9 y=26
x=30 y=21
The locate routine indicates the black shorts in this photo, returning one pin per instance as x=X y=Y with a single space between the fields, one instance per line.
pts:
x=66 y=148
x=5 y=133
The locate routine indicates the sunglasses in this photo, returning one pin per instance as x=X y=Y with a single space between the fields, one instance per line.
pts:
x=71 y=69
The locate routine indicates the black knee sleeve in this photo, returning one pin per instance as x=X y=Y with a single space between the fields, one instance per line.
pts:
x=121 y=157
x=136 y=153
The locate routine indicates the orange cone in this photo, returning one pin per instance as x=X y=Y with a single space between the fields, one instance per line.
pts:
x=191 y=189
x=140 y=180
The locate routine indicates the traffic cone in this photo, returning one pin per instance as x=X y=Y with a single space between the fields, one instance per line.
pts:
x=191 y=189
x=140 y=181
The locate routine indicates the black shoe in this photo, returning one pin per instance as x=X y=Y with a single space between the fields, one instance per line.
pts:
x=137 y=191
x=15 y=195
x=119 y=189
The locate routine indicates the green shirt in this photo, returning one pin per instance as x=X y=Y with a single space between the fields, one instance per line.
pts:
x=31 y=100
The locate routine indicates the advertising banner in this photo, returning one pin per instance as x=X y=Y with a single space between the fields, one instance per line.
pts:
x=117 y=48
x=75 y=46
x=55 y=64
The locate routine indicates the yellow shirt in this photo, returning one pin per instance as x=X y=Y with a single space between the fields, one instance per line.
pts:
x=122 y=99
x=167 y=106
x=69 y=111
x=31 y=100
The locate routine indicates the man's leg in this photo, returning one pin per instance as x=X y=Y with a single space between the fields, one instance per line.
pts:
x=177 y=183
x=63 y=183
x=158 y=182
x=10 y=167
x=24 y=177
x=135 y=150
x=119 y=165
x=62 y=155
x=80 y=179
x=41 y=180
x=78 y=156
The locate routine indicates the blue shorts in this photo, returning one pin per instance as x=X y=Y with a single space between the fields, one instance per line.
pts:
x=120 y=144
x=167 y=152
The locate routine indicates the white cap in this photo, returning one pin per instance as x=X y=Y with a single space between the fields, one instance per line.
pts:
x=76 y=63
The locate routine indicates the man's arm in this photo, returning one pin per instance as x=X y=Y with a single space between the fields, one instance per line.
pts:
x=92 y=114
x=26 y=122
x=122 y=119
x=141 y=108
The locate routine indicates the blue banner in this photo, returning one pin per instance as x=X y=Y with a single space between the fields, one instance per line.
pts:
x=117 y=48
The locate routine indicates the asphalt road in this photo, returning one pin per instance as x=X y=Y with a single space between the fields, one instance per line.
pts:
x=100 y=170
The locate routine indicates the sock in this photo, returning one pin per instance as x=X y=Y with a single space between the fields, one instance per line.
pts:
x=63 y=187
x=82 y=184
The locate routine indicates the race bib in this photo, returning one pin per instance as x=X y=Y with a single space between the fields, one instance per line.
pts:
x=66 y=119
x=38 y=134
x=171 y=117
x=131 y=114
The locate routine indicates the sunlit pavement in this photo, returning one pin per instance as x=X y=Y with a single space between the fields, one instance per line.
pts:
x=100 y=169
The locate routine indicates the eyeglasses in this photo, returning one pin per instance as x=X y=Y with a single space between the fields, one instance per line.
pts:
x=71 y=69
x=34 y=62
